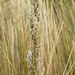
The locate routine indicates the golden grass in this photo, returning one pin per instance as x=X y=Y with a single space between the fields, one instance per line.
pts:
x=56 y=34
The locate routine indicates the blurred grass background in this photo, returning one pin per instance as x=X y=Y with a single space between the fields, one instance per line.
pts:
x=56 y=31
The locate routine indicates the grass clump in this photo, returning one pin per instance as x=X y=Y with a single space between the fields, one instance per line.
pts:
x=37 y=37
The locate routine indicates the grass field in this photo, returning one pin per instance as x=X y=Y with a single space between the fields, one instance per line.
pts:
x=51 y=51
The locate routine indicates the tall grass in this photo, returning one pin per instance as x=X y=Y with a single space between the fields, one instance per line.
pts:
x=56 y=42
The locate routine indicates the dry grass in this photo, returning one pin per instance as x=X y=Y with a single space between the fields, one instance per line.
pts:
x=56 y=33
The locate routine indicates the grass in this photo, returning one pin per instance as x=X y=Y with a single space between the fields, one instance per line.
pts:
x=56 y=32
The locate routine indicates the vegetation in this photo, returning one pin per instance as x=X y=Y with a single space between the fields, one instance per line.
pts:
x=37 y=37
